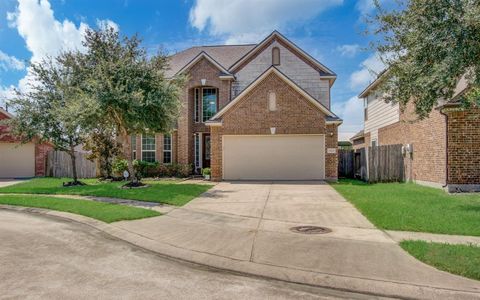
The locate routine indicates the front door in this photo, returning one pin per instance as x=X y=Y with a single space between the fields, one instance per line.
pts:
x=206 y=150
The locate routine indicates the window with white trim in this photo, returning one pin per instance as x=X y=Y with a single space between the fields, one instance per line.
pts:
x=197 y=150
x=148 y=148
x=196 y=99
x=133 y=145
x=167 y=148
x=209 y=103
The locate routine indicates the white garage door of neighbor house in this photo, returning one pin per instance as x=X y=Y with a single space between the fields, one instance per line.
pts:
x=274 y=157
x=17 y=161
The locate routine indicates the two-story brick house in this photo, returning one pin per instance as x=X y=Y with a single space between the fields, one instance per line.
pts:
x=444 y=148
x=251 y=112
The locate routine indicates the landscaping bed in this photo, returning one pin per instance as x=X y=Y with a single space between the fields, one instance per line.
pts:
x=411 y=207
x=105 y=212
x=167 y=192
x=462 y=260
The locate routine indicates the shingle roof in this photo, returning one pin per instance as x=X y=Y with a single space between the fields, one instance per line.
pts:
x=225 y=55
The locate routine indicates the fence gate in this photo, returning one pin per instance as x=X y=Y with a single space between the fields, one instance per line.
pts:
x=59 y=164
x=386 y=163
x=346 y=163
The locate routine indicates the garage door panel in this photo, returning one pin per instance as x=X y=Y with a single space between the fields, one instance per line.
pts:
x=17 y=160
x=274 y=157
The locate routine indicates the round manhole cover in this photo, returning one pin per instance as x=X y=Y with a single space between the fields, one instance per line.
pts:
x=310 y=229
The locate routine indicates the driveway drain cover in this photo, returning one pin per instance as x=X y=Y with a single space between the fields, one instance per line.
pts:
x=310 y=229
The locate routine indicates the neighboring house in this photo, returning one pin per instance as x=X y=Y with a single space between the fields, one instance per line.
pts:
x=345 y=145
x=19 y=160
x=358 y=140
x=251 y=112
x=444 y=147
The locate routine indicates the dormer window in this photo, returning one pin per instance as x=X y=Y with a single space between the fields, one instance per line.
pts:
x=275 y=56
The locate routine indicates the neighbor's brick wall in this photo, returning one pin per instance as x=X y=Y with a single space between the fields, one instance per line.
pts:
x=294 y=115
x=186 y=124
x=40 y=149
x=428 y=137
x=463 y=146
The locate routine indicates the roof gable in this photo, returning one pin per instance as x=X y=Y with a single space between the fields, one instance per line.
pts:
x=200 y=56
x=330 y=115
x=275 y=35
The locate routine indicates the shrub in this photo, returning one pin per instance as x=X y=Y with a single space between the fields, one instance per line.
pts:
x=206 y=171
x=119 y=166
x=146 y=169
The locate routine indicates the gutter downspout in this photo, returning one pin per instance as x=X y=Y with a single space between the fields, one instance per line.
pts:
x=446 y=148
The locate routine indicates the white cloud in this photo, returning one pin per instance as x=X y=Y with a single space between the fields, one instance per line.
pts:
x=365 y=6
x=8 y=62
x=349 y=50
x=5 y=94
x=104 y=24
x=351 y=111
x=249 y=20
x=43 y=34
x=370 y=68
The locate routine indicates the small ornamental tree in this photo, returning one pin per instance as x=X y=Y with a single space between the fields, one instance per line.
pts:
x=130 y=87
x=103 y=147
x=54 y=108
x=430 y=45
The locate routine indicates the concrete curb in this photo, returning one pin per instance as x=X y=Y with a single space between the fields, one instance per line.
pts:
x=373 y=286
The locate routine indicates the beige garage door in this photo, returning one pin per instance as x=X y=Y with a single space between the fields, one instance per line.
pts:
x=276 y=157
x=17 y=160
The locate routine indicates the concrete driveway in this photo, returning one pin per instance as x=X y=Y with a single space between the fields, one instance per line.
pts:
x=6 y=181
x=251 y=221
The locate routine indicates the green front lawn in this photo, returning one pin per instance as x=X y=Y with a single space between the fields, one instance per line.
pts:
x=168 y=192
x=457 y=259
x=411 y=207
x=105 y=212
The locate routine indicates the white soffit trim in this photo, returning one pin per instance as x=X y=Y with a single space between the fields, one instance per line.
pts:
x=295 y=47
x=260 y=79
x=334 y=122
x=213 y=123
x=197 y=58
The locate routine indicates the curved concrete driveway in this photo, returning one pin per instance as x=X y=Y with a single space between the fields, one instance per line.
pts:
x=250 y=222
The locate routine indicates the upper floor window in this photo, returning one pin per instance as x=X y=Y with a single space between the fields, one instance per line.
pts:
x=209 y=103
x=275 y=56
x=148 y=148
x=133 y=145
x=365 y=114
x=167 y=149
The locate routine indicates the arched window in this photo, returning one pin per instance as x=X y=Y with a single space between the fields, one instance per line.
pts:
x=275 y=56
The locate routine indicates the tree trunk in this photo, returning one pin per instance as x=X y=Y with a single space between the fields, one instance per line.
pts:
x=128 y=157
x=74 y=163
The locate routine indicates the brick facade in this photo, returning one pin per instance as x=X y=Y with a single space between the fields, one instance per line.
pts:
x=203 y=69
x=463 y=146
x=41 y=149
x=428 y=162
x=294 y=115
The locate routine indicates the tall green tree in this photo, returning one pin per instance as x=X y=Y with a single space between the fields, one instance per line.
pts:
x=130 y=87
x=428 y=45
x=54 y=108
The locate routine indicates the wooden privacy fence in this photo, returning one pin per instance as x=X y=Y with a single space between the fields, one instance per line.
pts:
x=59 y=164
x=386 y=163
x=346 y=163
x=373 y=164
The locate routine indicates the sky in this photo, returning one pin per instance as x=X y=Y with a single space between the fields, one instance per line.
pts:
x=329 y=30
